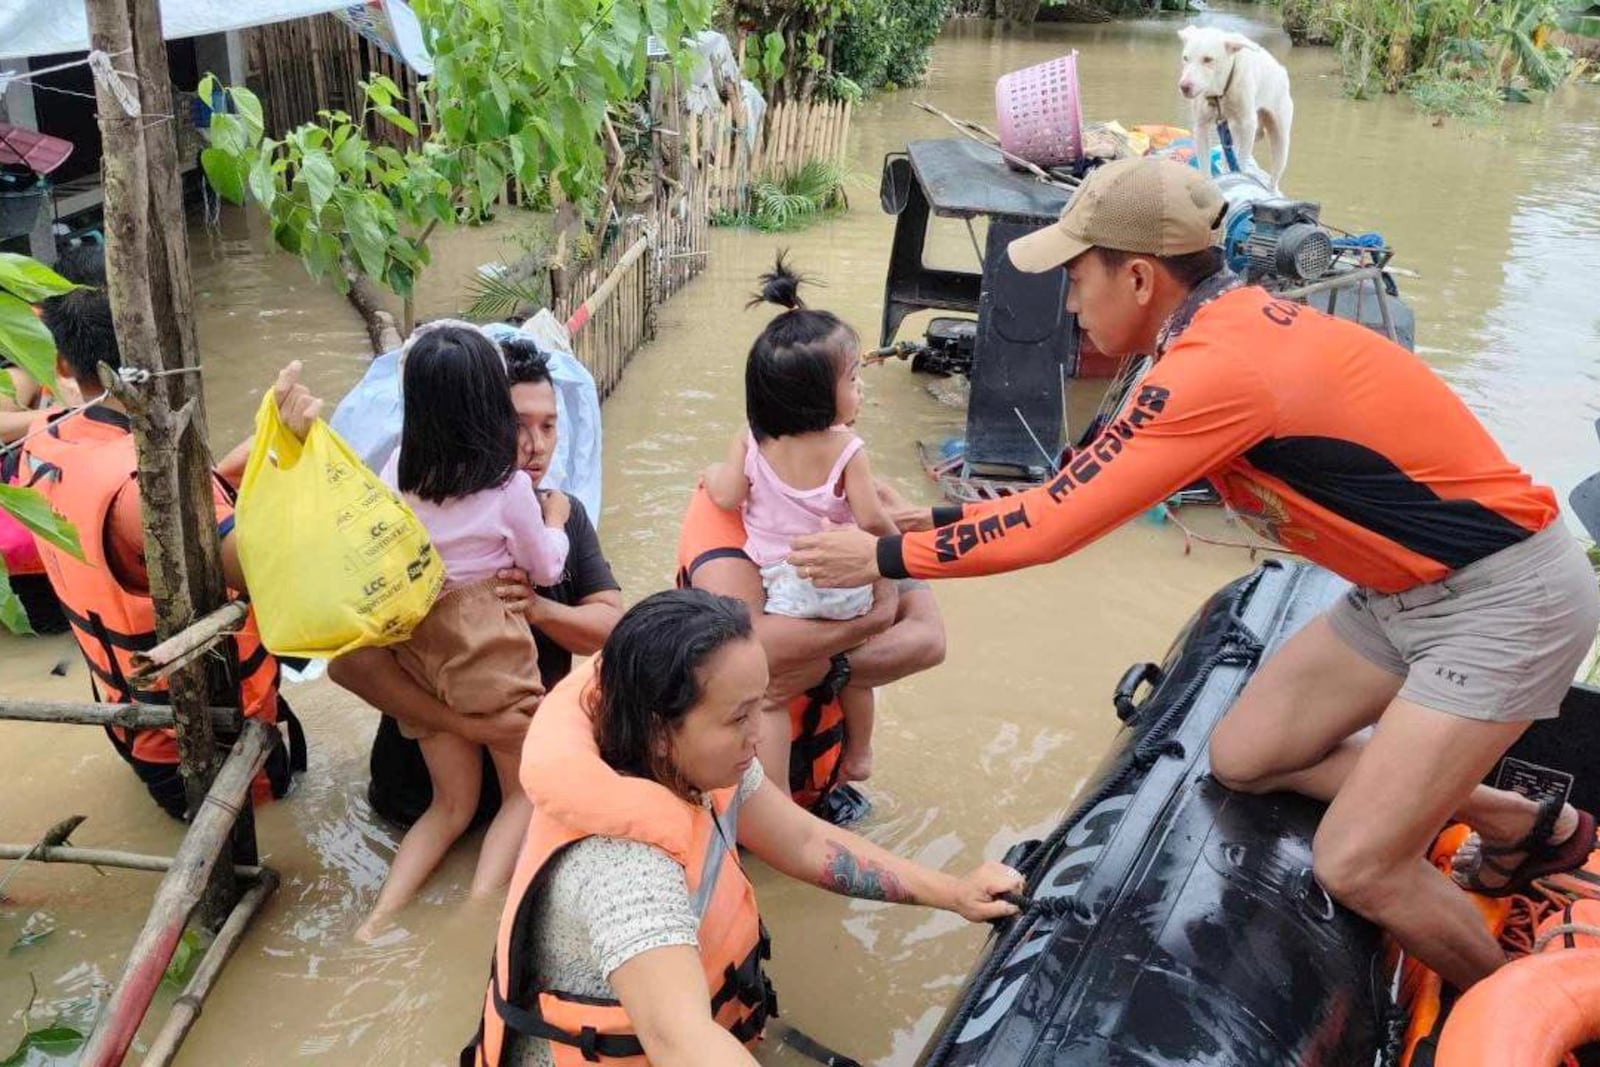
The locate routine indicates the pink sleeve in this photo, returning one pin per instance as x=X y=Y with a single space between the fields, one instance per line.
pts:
x=535 y=547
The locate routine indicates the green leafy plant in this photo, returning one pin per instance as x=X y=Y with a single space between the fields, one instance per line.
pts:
x=186 y=957
x=1389 y=45
x=26 y=342
x=1462 y=98
x=55 y=1043
x=519 y=91
x=792 y=201
x=888 y=43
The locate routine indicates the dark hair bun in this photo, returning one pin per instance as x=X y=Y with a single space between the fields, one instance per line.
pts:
x=781 y=286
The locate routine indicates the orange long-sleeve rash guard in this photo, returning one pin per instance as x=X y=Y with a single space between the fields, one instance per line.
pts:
x=1324 y=436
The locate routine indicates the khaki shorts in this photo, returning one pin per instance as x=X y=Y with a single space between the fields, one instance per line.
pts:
x=473 y=655
x=1499 y=640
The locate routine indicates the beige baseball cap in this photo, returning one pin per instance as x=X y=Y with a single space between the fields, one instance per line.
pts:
x=1155 y=207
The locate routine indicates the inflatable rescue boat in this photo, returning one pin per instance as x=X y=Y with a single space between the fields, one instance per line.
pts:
x=1171 y=921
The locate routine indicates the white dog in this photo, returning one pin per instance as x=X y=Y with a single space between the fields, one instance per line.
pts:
x=1231 y=73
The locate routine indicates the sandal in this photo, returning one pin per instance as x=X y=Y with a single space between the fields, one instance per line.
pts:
x=1541 y=857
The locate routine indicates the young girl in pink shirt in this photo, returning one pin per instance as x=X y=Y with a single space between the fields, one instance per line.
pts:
x=799 y=468
x=457 y=467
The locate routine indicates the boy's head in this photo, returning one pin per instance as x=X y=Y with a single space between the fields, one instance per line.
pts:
x=80 y=321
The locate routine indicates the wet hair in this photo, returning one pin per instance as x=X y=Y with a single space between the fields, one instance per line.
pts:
x=459 y=434
x=649 y=677
x=525 y=364
x=80 y=321
x=792 y=375
x=1188 y=269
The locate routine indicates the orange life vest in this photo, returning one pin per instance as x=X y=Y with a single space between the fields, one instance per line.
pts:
x=576 y=795
x=816 y=721
x=79 y=466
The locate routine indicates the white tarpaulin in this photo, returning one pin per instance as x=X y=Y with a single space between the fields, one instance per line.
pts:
x=45 y=27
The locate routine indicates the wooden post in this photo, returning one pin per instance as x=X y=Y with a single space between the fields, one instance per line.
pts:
x=180 y=891
x=147 y=269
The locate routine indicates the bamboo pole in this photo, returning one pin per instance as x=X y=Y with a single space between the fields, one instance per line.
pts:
x=106 y=857
x=127 y=716
x=186 y=1009
x=180 y=891
x=189 y=644
x=603 y=291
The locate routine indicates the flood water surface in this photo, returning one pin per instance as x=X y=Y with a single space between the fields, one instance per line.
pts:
x=1501 y=222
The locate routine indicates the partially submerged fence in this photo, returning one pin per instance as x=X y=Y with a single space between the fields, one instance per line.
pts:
x=792 y=135
x=610 y=308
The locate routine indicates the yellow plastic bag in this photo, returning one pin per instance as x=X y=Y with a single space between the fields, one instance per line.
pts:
x=334 y=559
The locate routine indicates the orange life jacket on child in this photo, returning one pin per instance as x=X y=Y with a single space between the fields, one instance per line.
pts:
x=79 y=465
x=575 y=795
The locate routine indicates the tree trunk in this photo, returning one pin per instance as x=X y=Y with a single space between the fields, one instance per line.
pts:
x=146 y=269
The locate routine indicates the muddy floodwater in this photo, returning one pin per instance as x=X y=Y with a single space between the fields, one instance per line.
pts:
x=1501 y=222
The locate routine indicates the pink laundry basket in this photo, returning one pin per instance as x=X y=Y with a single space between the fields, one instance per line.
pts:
x=1039 y=116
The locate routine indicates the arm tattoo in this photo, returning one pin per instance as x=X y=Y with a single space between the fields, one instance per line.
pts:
x=849 y=876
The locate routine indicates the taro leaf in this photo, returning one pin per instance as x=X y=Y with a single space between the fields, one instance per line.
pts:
x=191 y=946
x=51 y=1042
x=39 y=925
x=35 y=512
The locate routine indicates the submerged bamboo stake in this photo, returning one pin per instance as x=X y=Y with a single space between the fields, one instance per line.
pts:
x=186 y=1009
x=189 y=644
x=127 y=716
x=105 y=857
x=209 y=835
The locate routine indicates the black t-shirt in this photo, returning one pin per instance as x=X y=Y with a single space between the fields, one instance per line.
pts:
x=400 y=789
x=586 y=574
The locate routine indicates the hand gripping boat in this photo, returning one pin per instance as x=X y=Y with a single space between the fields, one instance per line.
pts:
x=1169 y=921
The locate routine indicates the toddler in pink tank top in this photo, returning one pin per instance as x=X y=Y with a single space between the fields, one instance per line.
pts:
x=798 y=469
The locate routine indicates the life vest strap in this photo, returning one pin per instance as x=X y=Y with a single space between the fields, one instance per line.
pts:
x=95 y=627
x=530 y=1022
x=812 y=743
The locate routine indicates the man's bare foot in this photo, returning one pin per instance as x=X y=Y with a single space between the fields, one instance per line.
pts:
x=1470 y=868
x=855 y=765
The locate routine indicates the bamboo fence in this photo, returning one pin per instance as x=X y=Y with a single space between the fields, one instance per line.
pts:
x=677 y=238
x=792 y=135
x=312 y=64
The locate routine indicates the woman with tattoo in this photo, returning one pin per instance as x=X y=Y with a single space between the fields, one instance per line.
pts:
x=631 y=929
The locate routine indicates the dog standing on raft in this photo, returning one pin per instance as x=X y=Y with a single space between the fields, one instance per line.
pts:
x=1228 y=77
